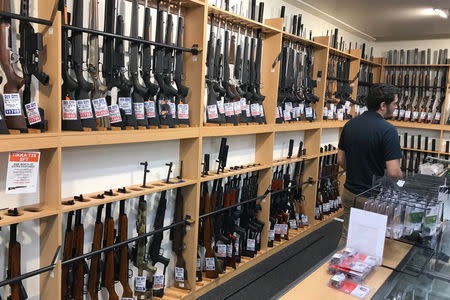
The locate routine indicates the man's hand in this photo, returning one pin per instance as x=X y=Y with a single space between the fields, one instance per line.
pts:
x=341 y=159
x=393 y=169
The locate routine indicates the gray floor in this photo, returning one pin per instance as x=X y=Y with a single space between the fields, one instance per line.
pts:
x=277 y=272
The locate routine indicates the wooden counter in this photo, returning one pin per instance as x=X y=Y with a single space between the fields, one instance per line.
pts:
x=314 y=287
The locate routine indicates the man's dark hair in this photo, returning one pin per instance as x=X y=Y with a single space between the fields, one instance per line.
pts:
x=381 y=92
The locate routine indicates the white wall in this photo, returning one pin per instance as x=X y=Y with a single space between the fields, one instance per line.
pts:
x=381 y=48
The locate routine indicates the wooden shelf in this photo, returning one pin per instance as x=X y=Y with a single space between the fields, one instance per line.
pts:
x=298 y=39
x=228 y=172
x=28 y=141
x=212 y=131
x=285 y=161
x=342 y=53
x=333 y=123
x=416 y=125
x=326 y=153
x=419 y=150
x=369 y=62
x=26 y=215
x=90 y=199
x=243 y=21
x=296 y=126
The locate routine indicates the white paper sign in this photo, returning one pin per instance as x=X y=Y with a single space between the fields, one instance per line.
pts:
x=69 y=109
x=139 y=110
x=114 y=114
x=85 y=108
x=212 y=112
x=183 y=111
x=150 y=109
x=251 y=244
x=209 y=264
x=220 y=106
x=140 y=284
x=23 y=172
x=125 y=104
x=179 y=274
x=100 y=107
x=32 y=111
x=158 y=282
x=237 y=108
x=12 y=104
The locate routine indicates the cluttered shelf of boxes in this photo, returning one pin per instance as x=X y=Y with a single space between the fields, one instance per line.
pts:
x=196 y=15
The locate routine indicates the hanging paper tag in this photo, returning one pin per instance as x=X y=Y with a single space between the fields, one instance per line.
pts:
x=237 y=108
x=305 y=220
x=236 y=246
x=297 y=111
x=229 y=250
x=288 y=106
x=85 y=108
x=277 y=114
x=139 y=110
x=437 y=117
x=158 y=282
x=407 y=114
x=247 y=111
x=261 y=110
x=114 y=114
x=347 y=104
x=325 y=111
x=293 y=223
x=199 y=264
x=277 y=228
x=150 y=109
x=220 y=106
x=209 y=264
x=179 y=274
x=402 y=113
x=229 y=109
x=243 y=102
x=251 y=244
x=221 y=250
x=423 y=115
x=302 y=108
x=183 y=111
x=100 y=107
x=430 y=117
x=330 y=115
x=254 y=109
x=69 y=109
x=12 y=105
x=332 y=107
x=32 y=111
x=395 y=114
x=140 y=284
x=173 y=109
x=212 y=112
x=415 y=115
x=22 y=173
x=271 y=235
x=284 y=228
x=125 y=104
x=286 y=115
x=357 y=109
x=309 y=112
x=340 y=114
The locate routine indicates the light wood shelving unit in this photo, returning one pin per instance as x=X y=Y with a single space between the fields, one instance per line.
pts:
x=196 y=13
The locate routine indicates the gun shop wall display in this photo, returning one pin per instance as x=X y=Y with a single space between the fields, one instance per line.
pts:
x=183 y=142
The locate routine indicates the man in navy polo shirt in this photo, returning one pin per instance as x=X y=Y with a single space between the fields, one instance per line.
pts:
x=368 y=146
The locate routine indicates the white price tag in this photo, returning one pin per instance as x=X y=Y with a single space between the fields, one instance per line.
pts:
x=236 y=246
x=199 y=264
x=305 y=220
x=139 y=283
x=395 y=114
x=173 y=109
x=229 y=109
x=430 y=117
x=139 y=110
x=22 y=173
x=423 y=115
x=251 y=244
x=150 y=109
x=288 y=106
x=277 y=114
x=12 y=105
x=297 y=111
x=293 y=223
x=254 y=109
x=309 y=112
x=125 y=104
x=183 y=111
x=221 y=250
x=284 y=228
x=220 y=106
x=85 y=108
x=209 y=264
x=212 y=112
x=229 y=250
x=402 y=113
x=347 y=103
x=415 y=115
x=32 y=111
x=340 y=115
x=330 y=115
x=271 y=235
x=437 y=117
x=261 y=110
x=360 y=291
x=69 y=109
x=243 y=102
x=114 y=114
x=100 y=107
x=332 y=107
x=179 y=274
x=277 y=228
x=286 y=115
x=237 y=108
x=302 y=108
x=158 y=282
x=408 y=114
x=325 y=111
x=247 y=111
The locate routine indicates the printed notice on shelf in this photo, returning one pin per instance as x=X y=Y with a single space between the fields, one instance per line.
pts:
x=23 y=172
x=69 y=109
x=139 y=110
x=32 y=111
x=12 y=105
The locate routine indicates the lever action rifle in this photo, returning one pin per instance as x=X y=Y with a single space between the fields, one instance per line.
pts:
x=80 y=266
x=108 y=240
x=18 y=292
x=155 y=244
x=139 y=259
x=210 y=258
x=95 y=270
x=123 y=254
x=67 y=270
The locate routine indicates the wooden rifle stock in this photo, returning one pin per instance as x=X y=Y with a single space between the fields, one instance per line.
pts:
x=94 y=274
x=66 y=286
x=123 y=236
x=14 y=256
x=207 y=232
x=109 y=255
x=78 y=280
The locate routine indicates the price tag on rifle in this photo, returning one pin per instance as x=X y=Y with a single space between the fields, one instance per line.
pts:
x=261 y=110
x=32 y=111
x=125 y=104
x=158 y=282
x=229 y=250
x=340 y=113
x=293 y=223
x=357 y=109
x=332 y=107
x=212 y=112
x=220 y=106
x=302 y=108
x=430 y=116
x=85 y=108
x=304 y=220
x=221 y=250
x=12 y=105
x=179 y=274
x=229 y=109
x=277 y=114
x=236 y=246
x=254 y=109
x=402 y=113
x=173 y=109
x=150 y=109
x=271 y=235
x=69 y=109
x=277 y=228
x=283 y=229
x=286 y=115
x=288 y=106
x=247 y=111
x=330 y=114
x=114 y=114
x=100 y=107
x=325 y=111
x=437 y=117
x=139 y=111
x=183 y=111
x=395 y=114
x=209 y=264
x=22 y=173
x=140 y=284
x=297 y=112
x=408 y=114
x=251 y=244
x=423 y=115
x=347 y=104
x=243 y=102
x=199 y=264
x=237 y=108
x=415 y=115
x=309 y=112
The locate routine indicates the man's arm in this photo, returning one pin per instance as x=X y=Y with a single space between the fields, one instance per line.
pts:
x=341 y=159
x=392 y=169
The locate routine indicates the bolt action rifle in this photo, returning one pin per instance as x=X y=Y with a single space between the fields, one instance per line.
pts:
x=67 y=270
x=80 y=267
x=123 y=252
x=95 y=268
x=108 y=240
x=18 y=292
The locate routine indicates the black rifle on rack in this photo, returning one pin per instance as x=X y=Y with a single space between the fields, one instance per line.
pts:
x=256 y=84
x=30 y=45
x=222 y=157
x=229 y=96
x=18 y=292
x=308 y=85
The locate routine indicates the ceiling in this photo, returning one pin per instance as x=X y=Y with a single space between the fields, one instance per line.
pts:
x=384 y=19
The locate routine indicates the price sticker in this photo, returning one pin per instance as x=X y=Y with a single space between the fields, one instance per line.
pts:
x=179 y=274
x=173 y=109
x=212 y=112
x=305 y=220
x=423 y=115
x=140 y=284
x=309 y=112
x=254 y=109
x=183 y=111
x=330 y=115
x=297 y=111
x=271 y=235
x=229 y=250
x=209 y=264
x=237 y=108
x=32 y=111
x=150 y=109
x=85 y=108
x=302 y=108
x=100 y=107
x=221 y=250
x=229 y=109
x=347 y=104
x=402 y=113
x=430 y=117
x=340 y=115
x=288 y=106
x=139 y=111
x=408 y=114
x=325 y=111
x=261 y=110
x=247 y=111
x=243 y=102
x=357 y=109
x=12 y=105
x=415 y=115
x=221 y=107
x=251 y=244
x=277 y=228
x=114 y=114
x=437 y=117
x=395 y=114
x=277 y=114
x=293 y=223
x=125 y=104
x=332 y=107
x=286 y=115
x=284 y=229
x=158 y=282
x=236 y=246
x=199 y=264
